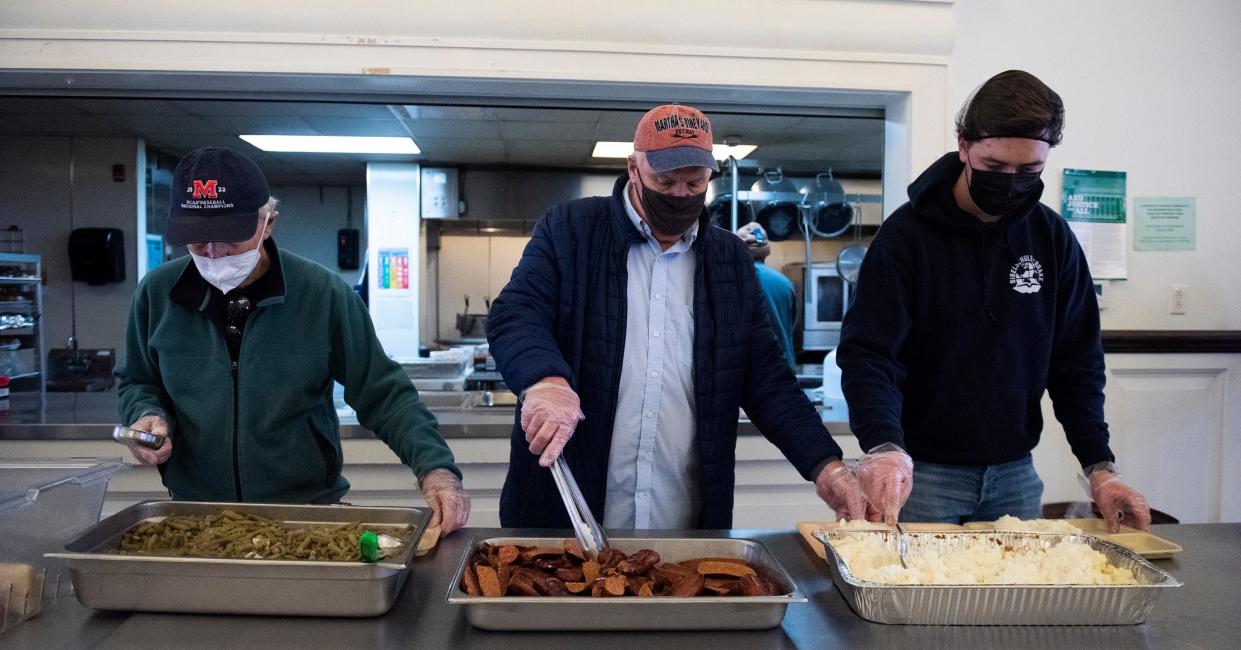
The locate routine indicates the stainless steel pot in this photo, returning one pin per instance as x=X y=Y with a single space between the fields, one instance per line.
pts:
x=830 y=214
x=778 y=217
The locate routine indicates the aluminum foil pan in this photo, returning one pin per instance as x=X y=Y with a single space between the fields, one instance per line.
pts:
x=999 y=604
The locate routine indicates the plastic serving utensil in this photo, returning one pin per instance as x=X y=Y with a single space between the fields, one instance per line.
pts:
x=902 y=544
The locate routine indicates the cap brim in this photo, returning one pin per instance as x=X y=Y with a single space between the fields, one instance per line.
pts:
x=196 y=229
x=664 y=160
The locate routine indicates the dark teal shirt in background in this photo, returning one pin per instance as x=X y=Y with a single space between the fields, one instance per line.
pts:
x=781 y=306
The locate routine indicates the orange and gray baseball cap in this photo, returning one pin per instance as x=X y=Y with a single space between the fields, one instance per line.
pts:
x=674 y=136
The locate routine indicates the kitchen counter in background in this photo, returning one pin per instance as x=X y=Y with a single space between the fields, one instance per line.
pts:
x=1205 y=613
x=91 y=416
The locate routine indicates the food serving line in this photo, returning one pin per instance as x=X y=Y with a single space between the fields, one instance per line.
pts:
x=1206 y=612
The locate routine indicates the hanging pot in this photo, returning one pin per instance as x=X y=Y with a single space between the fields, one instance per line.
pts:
x=719 y=204
x=830 y=215
x=778 y=217
x=720 y=212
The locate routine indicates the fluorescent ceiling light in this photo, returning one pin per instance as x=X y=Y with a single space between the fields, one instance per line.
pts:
x=333 y=143
x=623 y=149
x=612 y=150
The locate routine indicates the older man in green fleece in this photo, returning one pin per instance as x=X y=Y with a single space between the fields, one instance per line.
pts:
x=231 y=353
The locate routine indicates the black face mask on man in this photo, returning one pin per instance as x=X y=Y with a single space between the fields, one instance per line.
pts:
x=668 y=214
x=999 y=193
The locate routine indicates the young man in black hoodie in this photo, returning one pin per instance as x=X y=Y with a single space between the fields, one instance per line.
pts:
x=973 y=299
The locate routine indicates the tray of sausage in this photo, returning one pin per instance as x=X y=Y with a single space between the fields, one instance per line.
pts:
x=549 y=584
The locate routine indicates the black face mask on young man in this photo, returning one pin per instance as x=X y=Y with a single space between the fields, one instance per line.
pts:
x=999 y=193
x=668 y=214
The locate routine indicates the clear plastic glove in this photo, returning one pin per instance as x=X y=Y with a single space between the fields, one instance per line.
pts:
x=1118 y=501
x=158 y=426
x=838 y=486
x=550 y=411
x=886 y=474
x=450 y=505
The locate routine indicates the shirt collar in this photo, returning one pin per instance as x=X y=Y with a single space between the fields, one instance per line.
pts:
x=689 y=237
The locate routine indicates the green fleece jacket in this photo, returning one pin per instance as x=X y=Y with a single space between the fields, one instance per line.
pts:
x=266 y=430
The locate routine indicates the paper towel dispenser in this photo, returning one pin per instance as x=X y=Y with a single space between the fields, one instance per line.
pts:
x=97 y=255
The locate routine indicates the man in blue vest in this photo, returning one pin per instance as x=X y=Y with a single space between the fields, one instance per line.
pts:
x=634 y=332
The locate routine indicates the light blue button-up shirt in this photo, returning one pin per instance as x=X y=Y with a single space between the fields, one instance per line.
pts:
x=653 y=465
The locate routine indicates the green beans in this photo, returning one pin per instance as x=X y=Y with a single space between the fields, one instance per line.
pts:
x=247 y=536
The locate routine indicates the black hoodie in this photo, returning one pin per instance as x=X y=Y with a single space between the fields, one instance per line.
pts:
x=959 y=326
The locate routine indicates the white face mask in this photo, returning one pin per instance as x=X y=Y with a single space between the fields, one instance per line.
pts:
x=227 y=273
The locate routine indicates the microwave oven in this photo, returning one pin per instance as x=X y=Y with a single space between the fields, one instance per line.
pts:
x=827 y=298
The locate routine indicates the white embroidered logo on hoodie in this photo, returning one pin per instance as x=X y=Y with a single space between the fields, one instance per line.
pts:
x=1026 y=276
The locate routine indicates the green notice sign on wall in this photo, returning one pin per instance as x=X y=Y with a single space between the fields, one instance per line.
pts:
x=1093 y=202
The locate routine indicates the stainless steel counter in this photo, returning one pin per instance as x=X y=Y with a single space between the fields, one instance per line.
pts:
x=1205 y=613
x=91 y=416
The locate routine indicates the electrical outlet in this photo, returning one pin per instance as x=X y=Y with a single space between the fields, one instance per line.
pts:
x=1176 y=298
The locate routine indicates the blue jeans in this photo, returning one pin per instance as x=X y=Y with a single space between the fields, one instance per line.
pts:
x=956 y=494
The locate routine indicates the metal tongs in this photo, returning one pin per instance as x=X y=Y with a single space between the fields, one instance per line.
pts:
x=585 y=527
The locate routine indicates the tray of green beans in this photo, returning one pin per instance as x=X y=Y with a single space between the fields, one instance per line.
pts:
x=245 y=558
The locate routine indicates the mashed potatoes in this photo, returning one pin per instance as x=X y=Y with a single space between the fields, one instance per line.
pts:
x=977 y=559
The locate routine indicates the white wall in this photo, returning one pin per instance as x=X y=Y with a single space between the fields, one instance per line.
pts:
x=309 y=220
x=37 y=195
x=1150 y=88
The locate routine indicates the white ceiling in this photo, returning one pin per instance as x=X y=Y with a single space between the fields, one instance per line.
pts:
x=450 y=135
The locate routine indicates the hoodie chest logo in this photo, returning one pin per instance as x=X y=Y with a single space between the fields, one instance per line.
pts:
x=1026 y=276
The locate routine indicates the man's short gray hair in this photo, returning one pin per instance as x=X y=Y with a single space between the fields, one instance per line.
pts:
x=269 y=207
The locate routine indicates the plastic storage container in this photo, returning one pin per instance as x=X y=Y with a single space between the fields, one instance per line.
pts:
x=43 y=504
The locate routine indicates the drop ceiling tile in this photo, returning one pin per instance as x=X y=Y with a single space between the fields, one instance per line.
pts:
x=37 y=106
x=179 y=144
x=373 y=127
x=570 y=149
x=454 y=148
x=567 y=115
x=260 y=124
x=328 y=109
x=484 y=113
x=84 y=125
x=99 y=106
x=552 y=131
x=470 y=129
x=168 y=124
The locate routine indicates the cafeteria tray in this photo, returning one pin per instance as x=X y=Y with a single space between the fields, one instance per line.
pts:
x=1001 y=604
x=585 y=614
x=103 y=579
x=1148 y=545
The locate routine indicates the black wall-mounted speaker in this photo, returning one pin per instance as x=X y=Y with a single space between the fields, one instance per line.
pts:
x=97 y=255
x=347 y=249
